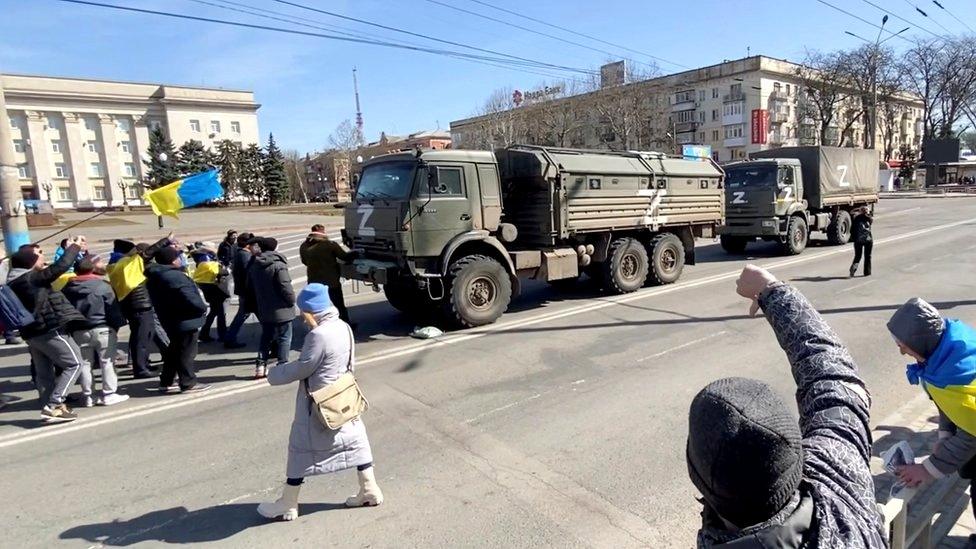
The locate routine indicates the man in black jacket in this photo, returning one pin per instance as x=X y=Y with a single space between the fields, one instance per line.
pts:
x=138 y=309
x=239 y=264
x=181 y=310
x=269 y=282
x=767 y=481
x=227 y=249
x=48 y=339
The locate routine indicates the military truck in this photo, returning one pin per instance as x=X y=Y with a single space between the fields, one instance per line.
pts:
x=783 y=194
x=454 y=231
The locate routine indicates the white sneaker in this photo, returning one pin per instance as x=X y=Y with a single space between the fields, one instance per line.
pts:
x=114 y=398
x=87 y=402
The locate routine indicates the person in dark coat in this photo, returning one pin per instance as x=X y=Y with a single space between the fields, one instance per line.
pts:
x=56 y=357
x=225 y=252
x=321 y=255
x=213 y=279
x=269 y=282
x=766 y=480
x=241 y=260
x=180 y=309
x=863 y=241
x=135 y=303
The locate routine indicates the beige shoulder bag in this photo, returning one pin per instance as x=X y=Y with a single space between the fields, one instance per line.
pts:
x=342 y=400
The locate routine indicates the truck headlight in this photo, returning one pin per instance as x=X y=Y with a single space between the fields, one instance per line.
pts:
x=768 y=223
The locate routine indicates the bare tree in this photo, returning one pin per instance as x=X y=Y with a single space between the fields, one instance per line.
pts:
x=295 y=173
x=344 y=137
x=942 y=72
x=825 y=91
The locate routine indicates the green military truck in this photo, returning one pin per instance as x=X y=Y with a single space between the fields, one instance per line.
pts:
x=783 y=194
x=454 y=231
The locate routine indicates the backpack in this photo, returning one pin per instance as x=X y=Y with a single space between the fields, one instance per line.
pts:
x=13 y=314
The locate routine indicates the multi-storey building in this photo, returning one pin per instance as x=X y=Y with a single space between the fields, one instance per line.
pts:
x=79 y=141
x=734 y=108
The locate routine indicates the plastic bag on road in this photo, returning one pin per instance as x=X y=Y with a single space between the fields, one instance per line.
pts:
x=427 y=332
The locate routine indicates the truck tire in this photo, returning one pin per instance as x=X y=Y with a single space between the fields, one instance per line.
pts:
x=625 y=269
x=734 y=244
x=839 y=230
x=402 y=297
x=667 y=259
x=797 y=236
x=479 y=291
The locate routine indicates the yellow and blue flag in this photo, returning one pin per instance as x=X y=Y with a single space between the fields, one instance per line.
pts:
x=949 y=375
x=185 y=193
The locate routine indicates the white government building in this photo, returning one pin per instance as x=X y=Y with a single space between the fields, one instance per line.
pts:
x=81 y=138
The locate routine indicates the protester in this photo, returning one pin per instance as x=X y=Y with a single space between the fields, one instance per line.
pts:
x=269 y=282
x=213 y=279
x=51 y=347
x=181 y=310
x=93 y=297
x=945 y=351
x=245 y=305
x=227 y=249
x=128 y=279
x=863 y=241
x=313 y=449
x=766 y=481
x=321 y=255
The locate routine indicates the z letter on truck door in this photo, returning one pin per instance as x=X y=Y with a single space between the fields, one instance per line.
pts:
x=365 y=211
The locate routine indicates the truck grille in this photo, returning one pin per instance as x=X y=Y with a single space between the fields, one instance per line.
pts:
x=373 y=247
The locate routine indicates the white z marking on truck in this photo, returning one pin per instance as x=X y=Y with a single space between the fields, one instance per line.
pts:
x=843 y=176
x=787 y=193
x=739 y=197
x=365 y=211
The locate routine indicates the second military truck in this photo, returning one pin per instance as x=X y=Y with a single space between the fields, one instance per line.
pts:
x=783 y=194
x=453 y=231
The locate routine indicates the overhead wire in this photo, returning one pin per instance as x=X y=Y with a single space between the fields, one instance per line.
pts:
x=926 y=15
x=952 y=15
x=863 y=20
x=900 y=18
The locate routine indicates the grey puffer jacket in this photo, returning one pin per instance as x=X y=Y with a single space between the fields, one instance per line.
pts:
x=94 y=298
x=834 y=421
x=269 y=282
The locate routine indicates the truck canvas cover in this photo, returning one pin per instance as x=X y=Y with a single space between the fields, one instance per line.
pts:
x=845 y=175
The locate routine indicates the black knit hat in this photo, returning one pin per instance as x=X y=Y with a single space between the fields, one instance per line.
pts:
x=122 y=246
x=166 y=256
x=744 y=450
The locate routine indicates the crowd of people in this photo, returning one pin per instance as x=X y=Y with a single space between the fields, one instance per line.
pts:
x=69 y=311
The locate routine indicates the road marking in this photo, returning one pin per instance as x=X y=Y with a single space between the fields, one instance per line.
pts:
x=506 y=407
x=899 y=211
x=468 y=335
x=856 y=286
x=682 y=346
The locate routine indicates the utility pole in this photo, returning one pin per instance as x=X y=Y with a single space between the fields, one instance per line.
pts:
x=873 y=121
x=12 y=215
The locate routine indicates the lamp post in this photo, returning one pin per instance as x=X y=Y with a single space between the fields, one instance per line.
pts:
x=48 y=187
x=123 y=186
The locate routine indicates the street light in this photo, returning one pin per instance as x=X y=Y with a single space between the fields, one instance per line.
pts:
x=48 y=187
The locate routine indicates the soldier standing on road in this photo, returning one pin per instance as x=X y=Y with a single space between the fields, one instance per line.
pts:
x=321 y=255
x=863 y=241
x=767 y=481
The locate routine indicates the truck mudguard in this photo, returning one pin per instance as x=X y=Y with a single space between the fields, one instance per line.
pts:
x=479 y=236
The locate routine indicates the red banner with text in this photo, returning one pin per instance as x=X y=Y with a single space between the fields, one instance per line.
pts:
x=760 y=126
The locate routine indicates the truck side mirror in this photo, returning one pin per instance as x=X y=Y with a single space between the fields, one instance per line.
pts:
x=355 y=180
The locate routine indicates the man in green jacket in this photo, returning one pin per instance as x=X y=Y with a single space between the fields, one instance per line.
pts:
x=321 y=255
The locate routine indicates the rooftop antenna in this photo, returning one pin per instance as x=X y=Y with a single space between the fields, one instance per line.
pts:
x=359 y=112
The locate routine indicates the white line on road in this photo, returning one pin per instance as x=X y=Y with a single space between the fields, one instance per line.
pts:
x=856 y=286
x=682 y=346
x=506 y=407
x=475 y=333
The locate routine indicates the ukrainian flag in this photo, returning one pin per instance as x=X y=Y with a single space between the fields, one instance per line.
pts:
x=949 y=375
x=185 y=193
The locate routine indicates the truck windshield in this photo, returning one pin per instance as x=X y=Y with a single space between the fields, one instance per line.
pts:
x=751 y=176
x=387 y=181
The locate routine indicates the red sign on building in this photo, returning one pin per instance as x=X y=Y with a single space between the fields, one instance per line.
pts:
x=760 y=126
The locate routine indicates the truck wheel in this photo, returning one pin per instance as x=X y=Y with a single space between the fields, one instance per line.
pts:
x=625 y=269
x=480 y=291
x=667 y=259
x=797 y=235
x=839 y=230
x=402 y=297
x=734 y=244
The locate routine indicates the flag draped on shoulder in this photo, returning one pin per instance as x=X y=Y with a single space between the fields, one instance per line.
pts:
x=949 y=375
x=185 y=193
x=126 y=275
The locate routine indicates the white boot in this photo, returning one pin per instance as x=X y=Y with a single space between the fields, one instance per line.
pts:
x=286 y=507
x=369 y=492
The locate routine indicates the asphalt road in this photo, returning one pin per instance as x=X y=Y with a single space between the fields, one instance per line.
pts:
x=562 y=425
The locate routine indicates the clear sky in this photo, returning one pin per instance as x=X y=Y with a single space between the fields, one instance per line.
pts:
x=304 y=84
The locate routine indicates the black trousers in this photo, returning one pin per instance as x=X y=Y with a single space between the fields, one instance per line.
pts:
x=865 y=250
x=968 y=472
x=335 y=294
x=178 y=359
x=142 y=331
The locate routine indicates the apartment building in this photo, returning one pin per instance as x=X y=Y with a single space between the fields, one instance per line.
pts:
x=732 y=109
x=78 y=141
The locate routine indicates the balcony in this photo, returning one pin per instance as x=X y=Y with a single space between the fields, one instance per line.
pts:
x=779 y=96
x=683 y=101
x=780 y=139
x=680 y=127
x=684 y=138
x=733 y=119
x=777 y=117
x=734 y=142
x=733 y=97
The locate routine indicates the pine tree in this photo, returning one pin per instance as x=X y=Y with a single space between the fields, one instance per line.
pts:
x=277 y=188
x=228 y=158
x=192 y=158
x=162 y=161
x=251 y=177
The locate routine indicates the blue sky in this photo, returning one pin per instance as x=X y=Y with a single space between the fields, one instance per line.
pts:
x=305 y=84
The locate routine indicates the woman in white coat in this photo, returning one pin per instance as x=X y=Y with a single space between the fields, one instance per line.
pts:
x=314 y=449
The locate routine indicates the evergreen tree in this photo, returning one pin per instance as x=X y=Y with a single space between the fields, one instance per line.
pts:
x=276 y=186
x=228 y=158
x=251 y=177
x=162 y=161
x=192 y=158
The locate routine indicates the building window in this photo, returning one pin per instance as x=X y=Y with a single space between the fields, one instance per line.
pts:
x=134 y=190
x=235 y=127
x=126 y=146
x=95 y=169
x=684 y=96
x=19 y=145
x=701 y=137
x=215 y=126
x=714 y=115
x=93 y=146
x=777 y=87
x=155 y=125
x=13 y=123
x=89 y=123
x=701 y=116
x=23 y=170
x=788 y=89
x=129 y=169
x=56 y=146
x=714 y=135
x=195 y=126
x=735 y=89
x=98 y=192
x=714 y=93
x=61 y=171
x=701 y=95
x=122 y=124
x=732 y=132
x=52 y=122
x=64 y=194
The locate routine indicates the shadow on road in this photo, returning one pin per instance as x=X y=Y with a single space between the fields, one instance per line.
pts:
x=179 y=525
x=818 y=278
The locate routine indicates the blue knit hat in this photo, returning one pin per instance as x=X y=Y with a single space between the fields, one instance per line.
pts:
x=314 y=298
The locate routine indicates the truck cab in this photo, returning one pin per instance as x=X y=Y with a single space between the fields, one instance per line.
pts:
x=761 y=197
